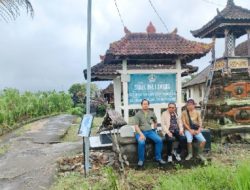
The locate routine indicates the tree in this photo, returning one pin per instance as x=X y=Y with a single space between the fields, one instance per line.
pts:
x=81 y=88
x=75 y=88
x=10 y=9
x=78 y=92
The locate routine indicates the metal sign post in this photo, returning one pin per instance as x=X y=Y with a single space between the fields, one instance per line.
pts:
x=88 y=58
x=88 y=117
x=84 y=131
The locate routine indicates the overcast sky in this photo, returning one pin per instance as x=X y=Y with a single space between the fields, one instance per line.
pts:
x=49 y=51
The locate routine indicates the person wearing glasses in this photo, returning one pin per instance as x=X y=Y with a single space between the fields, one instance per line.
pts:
x=191 y=119
x=145 y=123
x=173 y=130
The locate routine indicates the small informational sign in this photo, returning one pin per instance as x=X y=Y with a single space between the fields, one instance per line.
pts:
x=157 y=88
x=84 y=131
x=85 y=127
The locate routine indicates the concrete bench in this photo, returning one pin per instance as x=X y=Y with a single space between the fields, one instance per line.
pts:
x=128 y=145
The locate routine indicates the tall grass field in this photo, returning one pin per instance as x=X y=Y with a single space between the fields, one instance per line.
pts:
x=16 y=107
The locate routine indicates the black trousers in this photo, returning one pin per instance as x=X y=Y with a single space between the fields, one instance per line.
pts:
x=176 y=136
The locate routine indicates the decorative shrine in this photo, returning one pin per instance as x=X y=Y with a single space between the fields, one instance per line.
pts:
x=229 y=99
x=148 y=65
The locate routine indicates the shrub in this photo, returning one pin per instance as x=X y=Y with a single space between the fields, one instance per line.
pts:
x=1 y=118
x=77 y=111
x=101 y=110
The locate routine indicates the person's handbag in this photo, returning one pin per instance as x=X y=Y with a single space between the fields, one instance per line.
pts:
x=192 y=125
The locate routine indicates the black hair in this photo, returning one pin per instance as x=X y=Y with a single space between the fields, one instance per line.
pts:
x=172 y=103
x=145 y=100
x=191 y=101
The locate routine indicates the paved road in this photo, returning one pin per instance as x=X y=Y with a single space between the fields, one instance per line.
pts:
x=30 y=163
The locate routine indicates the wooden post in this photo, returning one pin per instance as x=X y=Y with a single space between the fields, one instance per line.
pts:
x=125 y=90
x=226 y=42
x=248 y=41
x=213 y=50
x=117 y=94
x=178 y=86
x=203 y=86
x=232 y=45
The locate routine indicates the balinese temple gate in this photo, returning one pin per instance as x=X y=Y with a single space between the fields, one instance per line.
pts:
x=229 y=100
x=148 y=65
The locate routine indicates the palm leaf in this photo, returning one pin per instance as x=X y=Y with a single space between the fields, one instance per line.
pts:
x=10 y=9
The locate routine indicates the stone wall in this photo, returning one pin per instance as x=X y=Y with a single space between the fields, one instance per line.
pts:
x=237 y=134
x=229 y=99
x=128 y=147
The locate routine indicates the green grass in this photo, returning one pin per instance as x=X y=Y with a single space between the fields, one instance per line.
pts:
x=144 y=179
x=216 y=176
x=71 y=135
x=220 y=175
x=241 y=179
x=77 y=120
x=112 y=180
x=4 y=149
x=212 y=177
x=216 y=147
x=72 y=132
x=97 y=122
x=96 y=125
x=22 y=130
x=75 y=181
x=72 y=181
x=196 y=179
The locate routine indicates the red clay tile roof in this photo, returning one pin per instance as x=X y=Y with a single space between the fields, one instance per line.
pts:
x=231 y=15
x=102 y=71
x=157 y=46
x=145 y=51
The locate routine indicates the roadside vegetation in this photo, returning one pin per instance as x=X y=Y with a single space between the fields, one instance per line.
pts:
x=228 y=170
x=215 y=176
x=19 y=108
x=16 y=107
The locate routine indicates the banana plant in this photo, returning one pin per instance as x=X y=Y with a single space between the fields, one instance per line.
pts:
x=10 y=9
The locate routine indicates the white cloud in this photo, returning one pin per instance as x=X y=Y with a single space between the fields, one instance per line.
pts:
x=49 y=51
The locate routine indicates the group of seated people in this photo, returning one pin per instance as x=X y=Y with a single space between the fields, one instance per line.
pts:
x=182 y=129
